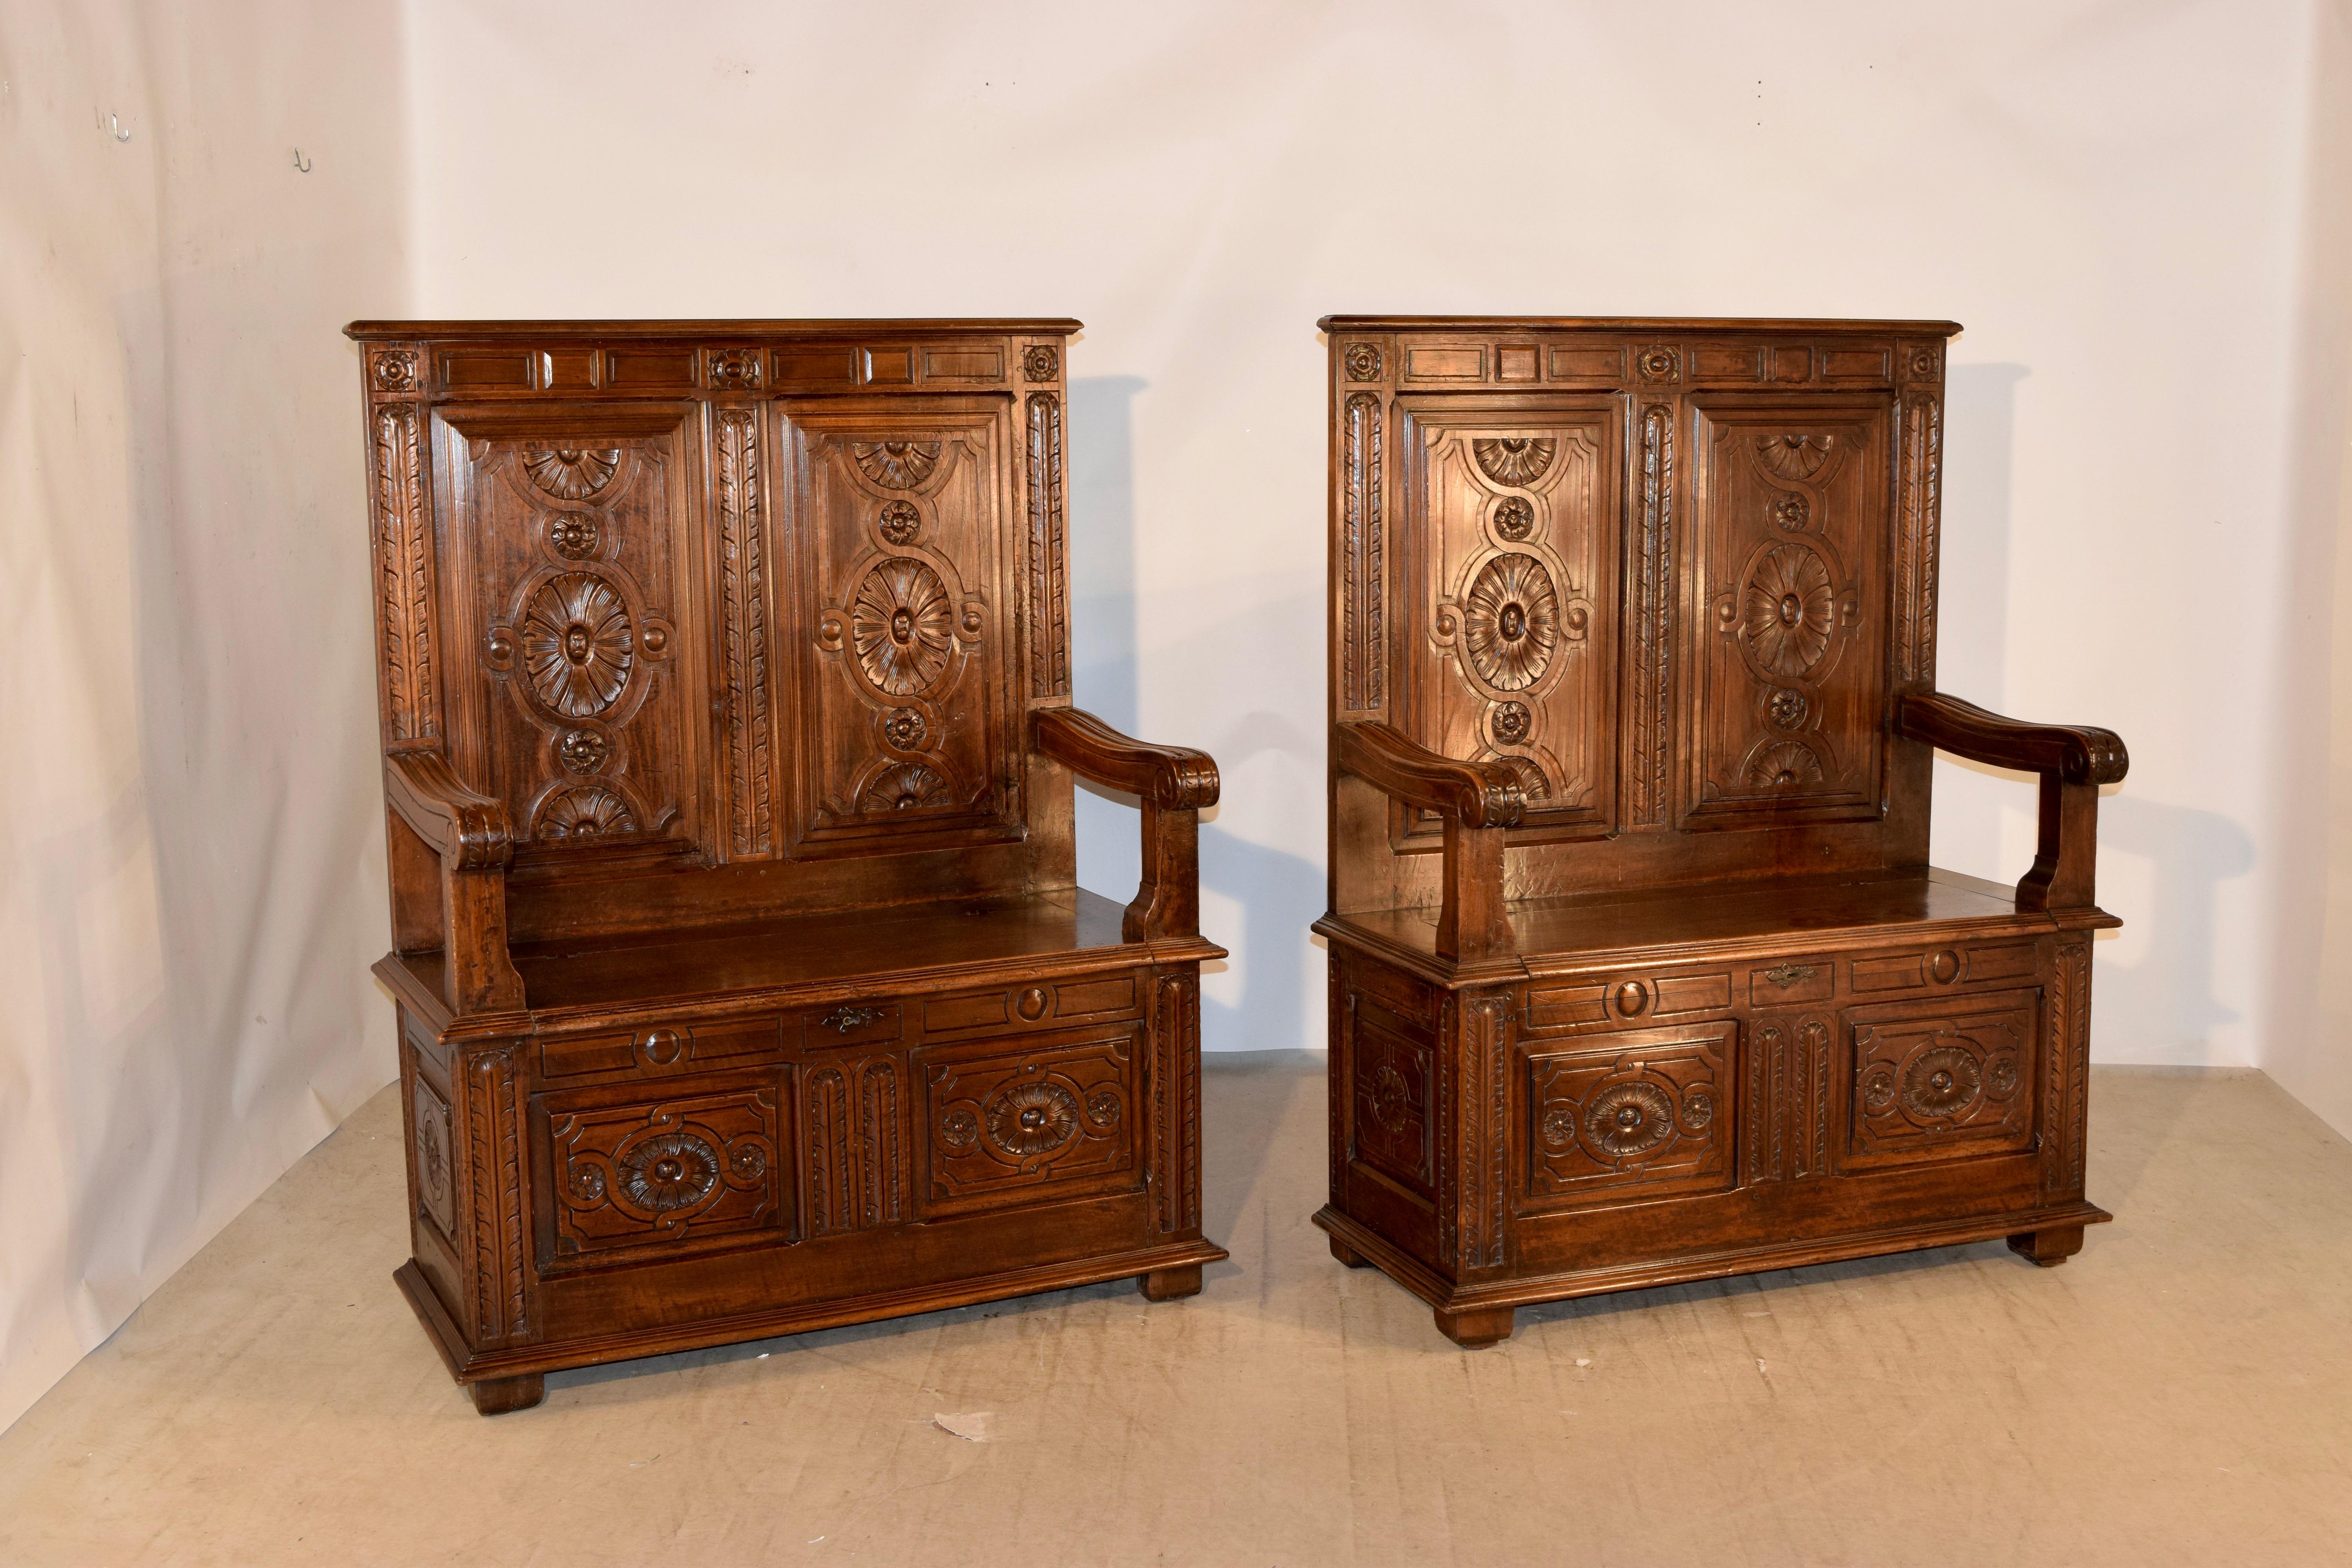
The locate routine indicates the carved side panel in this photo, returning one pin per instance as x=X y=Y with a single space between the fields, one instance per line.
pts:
x=1940 y=1079
x=638 y=1178
x=1363 y=603
x=904 y=733
x=742 y=591
x=1392 y=1076
x=1176 y=1104
x=571 y=544
x=1647 y=1113
x=1048 y=551
x=434 y=1155
x=1054 y=1119
x=1918 y=522
x=1650 y=654
x=1791 y=655
x=403 y=568
x=1514 y=546
x=1789 y=1069
x=2069 y=1036
x=493 y=1195
x=1484 y=1061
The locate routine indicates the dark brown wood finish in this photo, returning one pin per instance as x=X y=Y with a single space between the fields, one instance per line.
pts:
x=744 y=986
x=1639 y=973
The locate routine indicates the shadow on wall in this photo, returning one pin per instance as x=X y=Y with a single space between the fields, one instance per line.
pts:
x=2159 y=1005
x=1257 y=901
x=1973 y=584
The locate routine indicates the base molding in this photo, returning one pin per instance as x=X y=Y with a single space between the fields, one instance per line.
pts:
x=1172 y=1264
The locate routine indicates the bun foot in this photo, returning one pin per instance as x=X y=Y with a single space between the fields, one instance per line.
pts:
x=1348 y=1255
x=497 y=1395
x=2048 y=1249
x=1476 y=1329
x=1168 y=1284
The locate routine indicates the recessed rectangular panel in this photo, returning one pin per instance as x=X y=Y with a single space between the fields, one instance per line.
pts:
x=1574 y=361
x=903 y=730
x=1792 y=363
x=1445 y=364
x=1082 y=998
x=1725 y=362
x=1940 y=1078
x=649 y=370
x=1645 y=1113
x=702 y=1165
x=814 y=367
x=2005 y=962
x=1509 y=649
x=1514 y=362
x=889 y=367
x=1855 y=364
x=1032 y=1120
x=1690 y=994
x=1798 y=980
x=1392 y=1080
x=1561 y=1007
x=1788 y=646
x=488 y=370
x=568 y=370
x=1900 y=971
x=963 y=364
x=973 y=1010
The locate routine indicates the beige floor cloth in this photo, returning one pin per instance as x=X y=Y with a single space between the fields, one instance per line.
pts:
x=2181 y=1393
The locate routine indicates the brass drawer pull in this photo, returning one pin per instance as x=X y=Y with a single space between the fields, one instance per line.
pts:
x=1787 y=974
x=841 y=1020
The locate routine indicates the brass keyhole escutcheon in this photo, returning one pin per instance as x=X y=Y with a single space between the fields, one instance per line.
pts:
x=1631 y=998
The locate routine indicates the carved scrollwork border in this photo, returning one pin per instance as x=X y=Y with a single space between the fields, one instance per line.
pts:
x=1651 y=721
x=1049 y=638
x=743 y=596
x=404 y=551
x=1918 y=520
x=1363 y=673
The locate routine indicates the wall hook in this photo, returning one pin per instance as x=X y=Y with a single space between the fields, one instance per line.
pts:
x=300 y=163
x=119 y=133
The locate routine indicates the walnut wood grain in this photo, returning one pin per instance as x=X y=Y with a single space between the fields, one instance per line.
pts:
x=728 y=780
x=1639 y=972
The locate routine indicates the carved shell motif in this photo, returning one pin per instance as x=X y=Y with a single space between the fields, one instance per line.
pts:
x=909 y=786
x=896 y=464
x=1511 y=622
x=1784 y=764
x=1796 y=456
x=1789 y=610
x=900 y=626
x=1514 y=459
x=1027 y=1120
x=576 y=644
x=584 y=811
x=571 y=473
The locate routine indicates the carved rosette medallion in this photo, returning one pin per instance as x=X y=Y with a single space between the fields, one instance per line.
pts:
x=899 y=521
x=1786 y=707
x=582 y=811
x=572 y=535
x=571 y=473
x=1390 y=1098
x=1698 y=1110
x=435 y=1177
x=1791 y=512
x=909 y=786
x=896 y=464
x=902 y=626
x=1104 y=1109
x=1027 y=1120
x=959 y=1129
x=1514 y=518
x=1939 y=1085
x=1788 y=610
x=1514 y=459
x=905 y=730
x=1039 y=362
x=734 y=370
x=393 y=369
x=1783 y=765
x=1626 y=1121
x=577 y=645
x=1660 y=361
x=1511 y=622
x=1559 y=1126
x=1803 y=458
x=1511 y=722
x=583 y=751
x=1363 y=362
x=668 y=1170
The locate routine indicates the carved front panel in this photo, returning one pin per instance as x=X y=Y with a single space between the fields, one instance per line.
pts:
x=1647 y=1115
x=636 y=1175
x=1392 y=1072
x=1942 y=1079
x=1790 y=647
x=1058 y=1115
x=1512 y=646
x=902 y=658
x=572 y=562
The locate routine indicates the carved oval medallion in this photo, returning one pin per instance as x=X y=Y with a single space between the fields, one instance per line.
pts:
x=896 y=464
x=899 y=521
x=909 y=786
x=571 y=473
x=1789 y=609
x=584 y=811
x=667 y=1171
x=1031 y=1118
x=902 y=626
x=1510 y=622
x=1787 y=764
x=576 y=643
x=1514 y=459
x=1391 y=1095
x=1514 y=518
x=1626 y=1121
x=1941 y=1084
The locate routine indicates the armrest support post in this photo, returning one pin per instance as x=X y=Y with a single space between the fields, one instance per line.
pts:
x=2073 y=761
x=1173 y=784
x=1478 y=803
x=433 y=814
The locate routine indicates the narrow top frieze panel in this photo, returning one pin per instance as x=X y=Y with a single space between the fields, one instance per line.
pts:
x=714 y=330
x=1681 y=326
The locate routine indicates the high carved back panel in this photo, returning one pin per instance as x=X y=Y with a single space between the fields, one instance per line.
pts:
x=733 y=618
x=1673 y=573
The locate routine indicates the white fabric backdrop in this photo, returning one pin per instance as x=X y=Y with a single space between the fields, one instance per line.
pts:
x=2117 y=201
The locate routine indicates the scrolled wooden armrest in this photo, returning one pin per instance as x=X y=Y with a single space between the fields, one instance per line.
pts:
x=1477 y=803
x=1173 y=783
x=1174 y=777
x=2078 y=753
x=1477 y=794
x=2073 y=761
x=474 y=841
